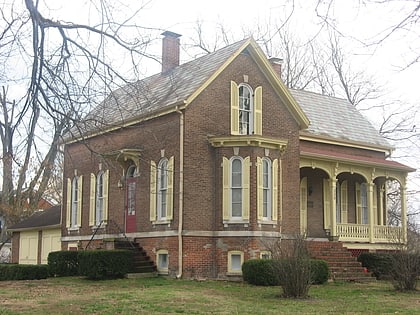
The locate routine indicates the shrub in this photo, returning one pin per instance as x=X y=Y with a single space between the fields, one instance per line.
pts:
x=294 y=276
x=263 y=271
x=102 y=264
x=259 y=272
x=319 y=271
x=63 y=263
x=405 y=269
x=23 y=272
x=379 y=264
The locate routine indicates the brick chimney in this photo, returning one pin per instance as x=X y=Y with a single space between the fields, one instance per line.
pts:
x=276 y=64
x=170 y=51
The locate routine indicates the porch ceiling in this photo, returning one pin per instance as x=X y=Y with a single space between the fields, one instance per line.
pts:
x=354 y=159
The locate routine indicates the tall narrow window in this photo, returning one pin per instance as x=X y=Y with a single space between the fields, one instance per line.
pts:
x=361 y=203
x=267 y=189
x=236 y=188
x=363 y=195
x=98 y=208
x=162 y=188
x=100 y=198
x=74 y=202
x=245 y=110
x=338 y=202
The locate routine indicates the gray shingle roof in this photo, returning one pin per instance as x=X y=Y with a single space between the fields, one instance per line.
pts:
x=155 y=93
x=329 y=116
x=50 y=217
x=337 y=118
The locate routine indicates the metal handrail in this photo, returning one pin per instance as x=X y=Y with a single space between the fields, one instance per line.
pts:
x=118 y=228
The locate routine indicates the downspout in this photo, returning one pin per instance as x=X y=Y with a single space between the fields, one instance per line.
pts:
x=181 y=191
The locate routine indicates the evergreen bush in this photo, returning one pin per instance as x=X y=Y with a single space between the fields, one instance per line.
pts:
x=259 y=272
x=103 y=264
x=63 y=263
x=319 y=271
x=23 y=272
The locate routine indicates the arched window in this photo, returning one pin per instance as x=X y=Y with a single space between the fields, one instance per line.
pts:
x=98 y=208
x=267 y=190
x=246 y=110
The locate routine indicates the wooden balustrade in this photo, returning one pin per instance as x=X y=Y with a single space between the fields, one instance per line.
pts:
x=360 y=233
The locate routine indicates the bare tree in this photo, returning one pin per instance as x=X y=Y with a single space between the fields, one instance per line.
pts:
x=63 y=68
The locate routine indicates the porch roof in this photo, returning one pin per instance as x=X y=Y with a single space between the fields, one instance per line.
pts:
x=357 y=159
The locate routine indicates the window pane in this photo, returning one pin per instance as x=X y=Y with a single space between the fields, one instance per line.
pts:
x=236 y=173
x=236 y=262
x=163 y=261
x=363 y=197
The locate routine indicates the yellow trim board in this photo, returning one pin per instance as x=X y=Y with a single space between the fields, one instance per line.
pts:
x=248 y=141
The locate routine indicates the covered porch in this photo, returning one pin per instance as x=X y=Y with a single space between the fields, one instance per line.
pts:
x=350 y=199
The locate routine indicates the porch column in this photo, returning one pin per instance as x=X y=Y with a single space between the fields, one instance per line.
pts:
x=403 y=189
x=333 y=197
x=381 y=208
x=371 y=217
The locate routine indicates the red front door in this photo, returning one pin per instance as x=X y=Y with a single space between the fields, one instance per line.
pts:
x=130 y=213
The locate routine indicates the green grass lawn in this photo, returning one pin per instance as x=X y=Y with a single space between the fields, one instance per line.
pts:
x=169 y=296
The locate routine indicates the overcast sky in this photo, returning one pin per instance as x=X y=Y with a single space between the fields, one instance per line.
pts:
x=360 y=24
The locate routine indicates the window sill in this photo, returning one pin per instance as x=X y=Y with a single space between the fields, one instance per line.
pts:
x=267 y=222
x=97 y=227
x=73 y=228
x=162 y=222
x=234 y=273
x=244 y=222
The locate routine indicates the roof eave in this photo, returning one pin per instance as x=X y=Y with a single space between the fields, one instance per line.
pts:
x=278 y=85
x=401 y=168
x=345 y=143
x=180 y=105
x=41 y=227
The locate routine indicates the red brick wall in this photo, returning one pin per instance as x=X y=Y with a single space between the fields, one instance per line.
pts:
x=151 y=137
x=15 y=247
x=209 y=114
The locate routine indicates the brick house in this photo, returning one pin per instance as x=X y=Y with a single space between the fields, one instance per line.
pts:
x=203 y=162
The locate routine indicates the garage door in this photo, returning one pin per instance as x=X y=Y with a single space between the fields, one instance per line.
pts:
x=28 y=247
x=51 y=242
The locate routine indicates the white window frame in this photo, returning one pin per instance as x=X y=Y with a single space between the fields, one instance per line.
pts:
x=74 y=202
x=338 y=202
x=239 y=188
x=364 y=203
x=163 y=270
x=265 y=254
x=231 y=269
x=162 y=189
x=267 y=190
x=246 y=126
x=100 y=198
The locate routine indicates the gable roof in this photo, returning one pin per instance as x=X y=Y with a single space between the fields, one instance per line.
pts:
x=166 y=92
x=338 y=119
x=48 y=218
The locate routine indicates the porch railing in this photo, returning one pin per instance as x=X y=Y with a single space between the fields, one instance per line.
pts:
x=361 y=233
